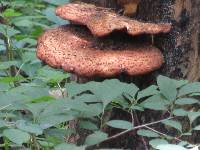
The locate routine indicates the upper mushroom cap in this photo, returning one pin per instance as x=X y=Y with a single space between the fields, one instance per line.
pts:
x=74 y=49
x=102 y=21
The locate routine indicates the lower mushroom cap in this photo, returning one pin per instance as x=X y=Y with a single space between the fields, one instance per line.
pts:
x=102 y=21
x=74 y=49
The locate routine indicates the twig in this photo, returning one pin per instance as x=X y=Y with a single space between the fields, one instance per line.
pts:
x=137 y=127
x=163 y=134
x=5 y=107
x=142 y=138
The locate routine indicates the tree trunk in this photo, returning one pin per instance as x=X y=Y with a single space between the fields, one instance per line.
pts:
x=181 y=48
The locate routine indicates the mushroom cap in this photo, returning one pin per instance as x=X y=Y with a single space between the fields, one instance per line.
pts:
x=102 y=21
x=74 y=49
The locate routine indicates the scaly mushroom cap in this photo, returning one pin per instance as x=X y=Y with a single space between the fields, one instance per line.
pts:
x=74 y=49
x=102 y=21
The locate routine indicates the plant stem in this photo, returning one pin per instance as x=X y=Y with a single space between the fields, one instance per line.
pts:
x=137 y=127
x=6 y=143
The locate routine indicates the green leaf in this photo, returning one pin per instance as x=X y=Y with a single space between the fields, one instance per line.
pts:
x=156 y=102
x=11 y=13
x=8 y=31
x=186 y=101
x=155 y=142
x=29 y=127
x=120 y=124
x=95 y=138
x=152 y=90
x=57 y=2
x=175 y=124
x=51 y=16
x=106 y=91
x=170 y=147
x=24 y=23
x=4 y=87
x=147 y=133
x=11 y=79
x=88 y=125
x=180 y=83
x=16 y=136
x=180 y=112
x=65 y=146
x=167 y=87
x=3 y=123
x=48 y=74
x=197 y=128
x=50 y=121
x=8 y=64
x=189 y=89
x=193 y=116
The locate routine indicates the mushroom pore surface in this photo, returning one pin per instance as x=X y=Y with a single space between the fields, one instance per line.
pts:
x=74 y=49
x=102 y=21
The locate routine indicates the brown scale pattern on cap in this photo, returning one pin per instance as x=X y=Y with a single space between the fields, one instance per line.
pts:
x=102 y=21
x=74 y=49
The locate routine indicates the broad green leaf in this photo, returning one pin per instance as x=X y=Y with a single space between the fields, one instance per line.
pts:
x=8 y=31
x=120 y=124
x=88 y=125
x=24 y=23
x=197 y=128
x=65 y=146
x=180 y=112
x=170 y=147
x=189 y=89
x=3 y=123
x=152 y=90
x=180 y=83
x=48 y=74
x=29 y=127
x=155 y=142
x=183 y=143
x=11 y=79
x=95 y=138
x=57 y=2
x=59 y=133
x=51 y=16
x=156 y=102
x=193 y=116
x=167 y=87
x=50 y=121
x=8 y=64
x=175 y=124
x=11 y=13
x=135 y=107
x=16 y=136
x=106 y=91
x=46 y=144
x=186 y=101
x=4 y=86
x=147 y=133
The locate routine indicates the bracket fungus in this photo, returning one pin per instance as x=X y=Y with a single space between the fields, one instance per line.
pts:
x=75 y=49
x=102 y=21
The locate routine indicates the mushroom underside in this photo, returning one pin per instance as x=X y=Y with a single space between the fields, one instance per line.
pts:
x=103 y=21
x=74 y=49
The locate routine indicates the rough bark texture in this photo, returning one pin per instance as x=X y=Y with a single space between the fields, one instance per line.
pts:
x=182 y=44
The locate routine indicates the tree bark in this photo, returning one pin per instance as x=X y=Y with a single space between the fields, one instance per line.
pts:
x=181 y=49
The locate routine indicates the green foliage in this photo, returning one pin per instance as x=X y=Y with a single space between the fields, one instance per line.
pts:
x=31 y=117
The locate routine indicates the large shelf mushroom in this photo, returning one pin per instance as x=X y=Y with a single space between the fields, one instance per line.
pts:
x=102 y=21
x=75 y=49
